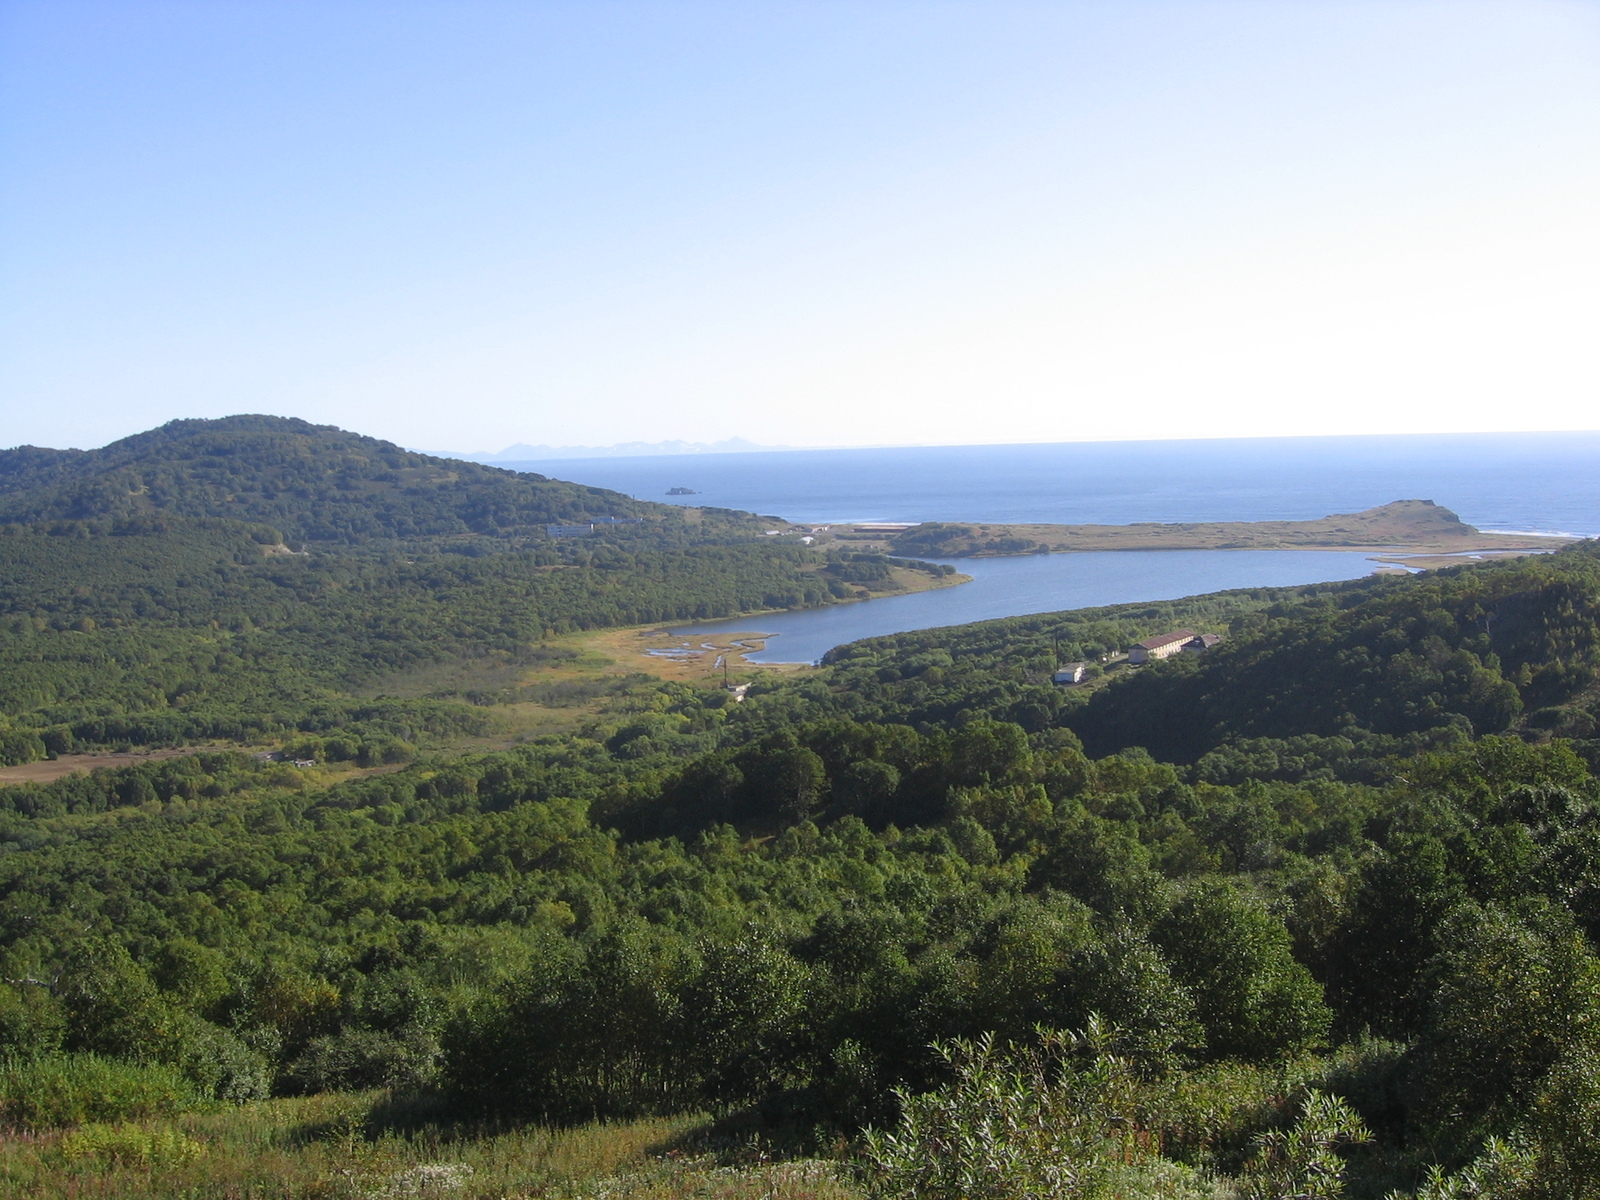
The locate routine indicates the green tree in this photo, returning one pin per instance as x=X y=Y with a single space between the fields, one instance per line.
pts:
x=1513 y=993
x=798 y=780
x=1254 y=1001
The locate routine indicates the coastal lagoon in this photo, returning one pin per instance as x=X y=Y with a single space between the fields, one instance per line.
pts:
x=1009 y=587
x=1523 y=482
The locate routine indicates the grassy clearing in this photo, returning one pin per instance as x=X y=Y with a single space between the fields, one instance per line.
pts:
x=360 y=1147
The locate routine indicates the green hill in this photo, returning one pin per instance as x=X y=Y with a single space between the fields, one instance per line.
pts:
x=1317 y=680
x=314 y=483
x=1480 y=651
x=245 y=577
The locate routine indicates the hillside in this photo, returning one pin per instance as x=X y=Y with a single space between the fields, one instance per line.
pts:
x=1315 y=912
x=1404 y=525
x=224 y=582
x=313 y=483
x=1380 y=938
x=1484 y=652
x=1329 y=679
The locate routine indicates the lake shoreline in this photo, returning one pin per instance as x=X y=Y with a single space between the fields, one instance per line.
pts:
x=1015 y=577
x=1034 y=583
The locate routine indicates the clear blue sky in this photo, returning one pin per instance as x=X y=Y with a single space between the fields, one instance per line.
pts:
x=464 y=224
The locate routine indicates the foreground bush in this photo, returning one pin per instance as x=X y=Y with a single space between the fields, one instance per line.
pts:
x=1014 y=1125
x=72 y=1089
x=1068 y=1119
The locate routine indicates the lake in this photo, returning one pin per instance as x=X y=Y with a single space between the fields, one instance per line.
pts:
x=1008 y=587
x=1534 y=482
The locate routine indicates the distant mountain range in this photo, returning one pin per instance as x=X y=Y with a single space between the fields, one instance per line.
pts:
x=522 y=452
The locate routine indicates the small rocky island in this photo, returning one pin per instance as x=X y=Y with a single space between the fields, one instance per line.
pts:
x=682 y=491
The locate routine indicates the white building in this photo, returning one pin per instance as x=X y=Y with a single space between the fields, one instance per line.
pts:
x=1163 y=646
x=1072 y=672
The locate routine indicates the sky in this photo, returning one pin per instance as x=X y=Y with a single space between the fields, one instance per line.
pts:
x=463 y=224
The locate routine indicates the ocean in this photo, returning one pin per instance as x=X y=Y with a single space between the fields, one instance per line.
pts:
x=1545 y=483
x=1535 y=482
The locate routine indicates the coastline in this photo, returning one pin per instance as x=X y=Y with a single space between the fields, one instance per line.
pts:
x=1405 y=527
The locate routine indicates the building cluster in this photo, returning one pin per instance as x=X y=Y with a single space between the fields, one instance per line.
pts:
x=1179 y=641
x=279 y=757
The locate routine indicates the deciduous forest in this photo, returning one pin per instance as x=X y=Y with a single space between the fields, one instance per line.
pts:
x=1312 y=914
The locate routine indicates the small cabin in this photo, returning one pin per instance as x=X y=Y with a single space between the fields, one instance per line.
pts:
x=1162 y=646
x=1202 y=643
x=1074 y=672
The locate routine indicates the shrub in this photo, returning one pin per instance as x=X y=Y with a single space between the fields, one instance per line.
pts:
x=219 y=1062
x=31 y=1022
x=1055 y=1120
x=129 y=1146
x=1502 y=1172
x=356 y=1059
x=71 y=1089
x=1303 y=1162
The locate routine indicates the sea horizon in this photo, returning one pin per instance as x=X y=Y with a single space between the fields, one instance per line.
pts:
x=1518 y=482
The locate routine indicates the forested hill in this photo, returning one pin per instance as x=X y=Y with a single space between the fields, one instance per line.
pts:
x=243 y=578
x=1329 y=680
x=771 y=910
x=1477 y=651
x=311 y=483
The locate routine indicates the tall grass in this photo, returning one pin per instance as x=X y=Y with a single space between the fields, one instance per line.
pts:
x=359 y=1147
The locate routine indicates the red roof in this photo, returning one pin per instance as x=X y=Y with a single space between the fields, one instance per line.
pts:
x=1166 y=639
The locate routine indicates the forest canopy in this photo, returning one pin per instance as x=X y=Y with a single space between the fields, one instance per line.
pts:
x=1330 y=890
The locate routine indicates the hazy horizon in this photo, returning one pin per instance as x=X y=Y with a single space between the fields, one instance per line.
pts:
x=506 y=457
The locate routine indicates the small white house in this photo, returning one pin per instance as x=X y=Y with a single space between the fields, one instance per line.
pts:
x=1072 y=672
